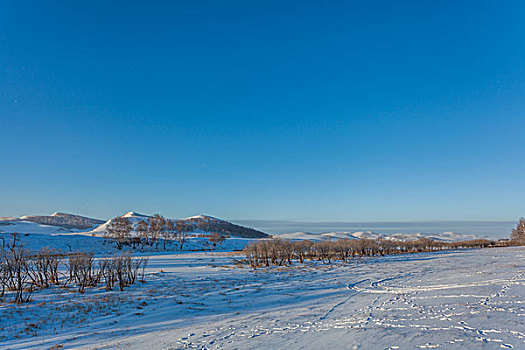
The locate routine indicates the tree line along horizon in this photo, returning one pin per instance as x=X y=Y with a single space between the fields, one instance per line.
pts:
x=280 y=252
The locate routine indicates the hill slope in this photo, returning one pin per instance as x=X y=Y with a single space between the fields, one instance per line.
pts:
x=64 y=220
x=200 y=223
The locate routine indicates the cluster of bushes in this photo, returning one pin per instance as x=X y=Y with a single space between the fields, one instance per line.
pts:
x=122 y=270
x=284 y=252
x=22 y=272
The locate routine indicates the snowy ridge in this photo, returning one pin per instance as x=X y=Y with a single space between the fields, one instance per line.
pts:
x=69 y=221
x=132 y=214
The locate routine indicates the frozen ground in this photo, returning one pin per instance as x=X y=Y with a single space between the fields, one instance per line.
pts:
x=452 y=300
x=80 y=242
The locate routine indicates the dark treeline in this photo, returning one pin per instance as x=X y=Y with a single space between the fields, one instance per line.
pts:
x=23 y=272
x=284 y=252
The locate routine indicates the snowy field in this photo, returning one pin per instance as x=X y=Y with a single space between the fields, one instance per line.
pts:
x=453 y=300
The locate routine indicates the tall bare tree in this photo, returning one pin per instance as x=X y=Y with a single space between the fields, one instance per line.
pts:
x=183 y=230
x=157 y=226
x=120 y=230
x=169 y=232
x=143 y=231
x=518 y=234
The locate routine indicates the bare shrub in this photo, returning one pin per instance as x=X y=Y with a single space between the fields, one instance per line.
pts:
x=108 y=273
x=3 y=272
x=21 y=272
x=143 y=264
x=122 y=269
x=15 y=271
x=82 y=270
x=43 y=267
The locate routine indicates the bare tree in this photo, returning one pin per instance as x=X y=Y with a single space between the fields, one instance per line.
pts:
x=39 y=266
x=3 y=271
x=183 y=230
x=16 y=268
x=143 y=231
x=518 y=234
x=169 y=231
x=120 y=230
x=107 y=270
x=82 y=270
x=157 y=225
x=144 y=263
x=123 y=269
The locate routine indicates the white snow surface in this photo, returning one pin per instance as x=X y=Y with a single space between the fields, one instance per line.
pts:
x=71 y=242
x=464 y=299
x=22 y=226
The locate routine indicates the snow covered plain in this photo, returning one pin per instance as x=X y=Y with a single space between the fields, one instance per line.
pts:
x=453 y=300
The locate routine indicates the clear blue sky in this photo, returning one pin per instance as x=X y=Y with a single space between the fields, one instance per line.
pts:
x=295 y=110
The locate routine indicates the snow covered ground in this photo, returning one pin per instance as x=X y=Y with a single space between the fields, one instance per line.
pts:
x=95 y=244
x=22 y=226
x=453 y=300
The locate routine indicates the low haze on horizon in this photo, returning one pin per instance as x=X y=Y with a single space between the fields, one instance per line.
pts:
x=301 y=111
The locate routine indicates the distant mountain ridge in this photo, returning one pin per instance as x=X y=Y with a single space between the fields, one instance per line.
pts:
x=63 y=223
x=444 y=236
x=64 y=220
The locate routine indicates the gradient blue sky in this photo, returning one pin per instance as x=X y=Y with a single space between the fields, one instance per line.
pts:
x=299 y=110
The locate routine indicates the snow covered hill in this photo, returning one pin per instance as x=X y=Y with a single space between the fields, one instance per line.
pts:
x=64 y=220
x=202 y=224
x=57 y=223
x=62 y=223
